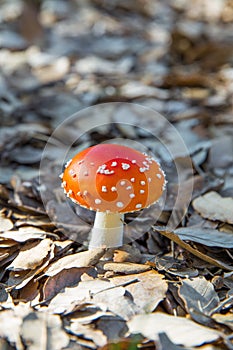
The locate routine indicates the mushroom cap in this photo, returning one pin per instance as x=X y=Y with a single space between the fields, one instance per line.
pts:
x=113 y=178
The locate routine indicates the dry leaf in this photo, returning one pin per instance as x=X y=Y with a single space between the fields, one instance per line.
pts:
x=5 y=223
x=115 y=300
x=103 y=45
x=199 y=294
x=77 y=295
x=206 y=236
x=29 y=292
x=19 y=279
x=11 y=330
x=65 y=278
x=147 y=289
x=166 y=344
x=180 y=330
x=127 y=253
x=226 y=319
x=112 y=326
x=5 y=243
x=196 y=252
x=101 y=293
x=214 y=207
x=24 y=234
x=42 y=331
x=83 y=259
x=125 y=268
x=31 y=255
x=89 y=332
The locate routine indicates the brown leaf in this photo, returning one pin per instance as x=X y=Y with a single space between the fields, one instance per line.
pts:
x=29 y=292
x=198 y=294
x=101 y=293
x=196 y=252
x=147 y=290
x=206 y=236
x=115 y=300
x=113 y=327
x=125 y=268
x=67 y=299
x=42 y=331
x=214 y=207
x=11 y=330
x=54 y=71
x=5 y=223
x=166 y=343
x=221 y=155
x=5 y=243
x=31 y=255
x=65 y=278
x=179 y=329
x=19 y=279
x=224 y=319
x=83 y=259
x=89 y=332
x=24 y=234
x=127 y=253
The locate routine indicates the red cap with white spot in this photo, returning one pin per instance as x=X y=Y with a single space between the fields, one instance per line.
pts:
x=113 y=178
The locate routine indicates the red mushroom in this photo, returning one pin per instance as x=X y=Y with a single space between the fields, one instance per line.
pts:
x=112 y=180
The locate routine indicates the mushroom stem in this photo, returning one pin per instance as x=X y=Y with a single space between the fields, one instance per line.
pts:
x=107 y=231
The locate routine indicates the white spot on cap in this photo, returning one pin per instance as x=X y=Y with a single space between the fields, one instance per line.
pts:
x=63 y=184
x=142 y=191
x=149 y=179
x=61 y=175
x=85 y=173
x=79 y=193
x=92 y=163
x=114 y=164
x=69 y=193
x=159 y=176
x=101 y=168
x=85 y=192
x=122 y=183
x=143 y=169
x=129 y=187
x=104 y=189
x=164 y=185
x=132 y=179
x=132 y=195
x=68 y=163
x=149 y=159
x=113 y=189
x=119 y=204
x=108 y=172
x=97 y=201
x=133 y=161
x=125 y=166
x=142 y=183
x=138 y=206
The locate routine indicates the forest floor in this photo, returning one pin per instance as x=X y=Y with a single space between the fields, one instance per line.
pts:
x=170 y=287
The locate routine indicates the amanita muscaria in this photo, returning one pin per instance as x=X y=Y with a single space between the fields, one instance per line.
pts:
x=112 y=179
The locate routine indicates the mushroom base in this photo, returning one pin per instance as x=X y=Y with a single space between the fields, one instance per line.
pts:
x=107 y=231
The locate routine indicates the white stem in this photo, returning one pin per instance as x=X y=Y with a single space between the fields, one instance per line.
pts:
x=107 y=231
